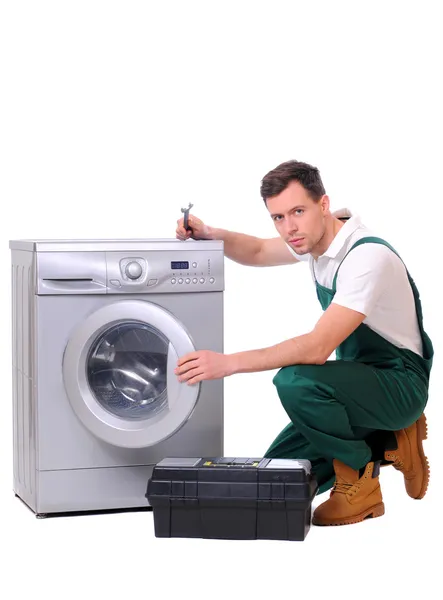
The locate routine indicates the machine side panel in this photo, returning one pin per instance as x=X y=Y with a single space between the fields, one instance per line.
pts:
x=23 y=376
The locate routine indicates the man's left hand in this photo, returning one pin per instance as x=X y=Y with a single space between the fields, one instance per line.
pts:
x=203 y=364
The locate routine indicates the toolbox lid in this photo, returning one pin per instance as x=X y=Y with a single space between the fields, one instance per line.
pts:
x=253 y=478
x=289 y=463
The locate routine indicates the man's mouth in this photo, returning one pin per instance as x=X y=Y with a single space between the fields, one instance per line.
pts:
x=296 y=241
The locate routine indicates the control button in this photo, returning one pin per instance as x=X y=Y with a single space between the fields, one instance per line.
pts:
x=211 y=280
x=152 y=281
x=195 y=280
x=188 y=280
x=194 y=264
x=202 y=280
x=115 y=282
x=173 y=280
x=180 y=280
x=133 y=270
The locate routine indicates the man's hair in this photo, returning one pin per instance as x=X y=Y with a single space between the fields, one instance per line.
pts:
x=279 y=178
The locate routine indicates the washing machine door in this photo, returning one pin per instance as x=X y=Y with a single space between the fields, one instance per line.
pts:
x=118 y=371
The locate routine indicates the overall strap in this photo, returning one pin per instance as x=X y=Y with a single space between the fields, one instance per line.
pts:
x=428 y=350
x=365 y=240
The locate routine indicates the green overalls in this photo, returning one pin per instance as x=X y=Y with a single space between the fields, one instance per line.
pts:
x=336 y=407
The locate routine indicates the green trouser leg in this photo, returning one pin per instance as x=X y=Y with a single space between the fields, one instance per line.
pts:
x=291 y=444
x=335 y=407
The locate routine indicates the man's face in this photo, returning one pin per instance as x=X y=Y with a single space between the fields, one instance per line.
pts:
x=298 y=219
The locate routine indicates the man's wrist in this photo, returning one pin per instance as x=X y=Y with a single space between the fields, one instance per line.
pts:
x=233 y=364
x=212 y=233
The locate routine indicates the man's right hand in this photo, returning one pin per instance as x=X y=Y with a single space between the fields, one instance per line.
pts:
x=197 y=230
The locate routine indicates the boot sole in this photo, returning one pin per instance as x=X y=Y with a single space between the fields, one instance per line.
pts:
x=422 y=428
x=375 y=511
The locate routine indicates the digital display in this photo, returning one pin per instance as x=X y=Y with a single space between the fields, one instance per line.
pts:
x=177 y=265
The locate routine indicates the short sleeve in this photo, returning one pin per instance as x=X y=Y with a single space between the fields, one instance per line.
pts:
x=363 y=276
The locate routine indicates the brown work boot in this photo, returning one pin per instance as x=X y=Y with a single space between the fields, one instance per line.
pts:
x=353 y=498
x=410 y=459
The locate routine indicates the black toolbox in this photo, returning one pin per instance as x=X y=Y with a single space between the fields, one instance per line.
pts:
x=232 y=498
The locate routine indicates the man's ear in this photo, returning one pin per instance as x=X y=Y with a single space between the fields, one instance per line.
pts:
x=324 y=201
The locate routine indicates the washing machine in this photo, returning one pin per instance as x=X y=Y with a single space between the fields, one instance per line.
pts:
x=98 y=327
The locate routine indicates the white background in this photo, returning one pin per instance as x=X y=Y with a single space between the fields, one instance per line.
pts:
x=113 y=116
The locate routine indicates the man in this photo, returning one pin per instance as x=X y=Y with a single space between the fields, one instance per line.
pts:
x=351 y=414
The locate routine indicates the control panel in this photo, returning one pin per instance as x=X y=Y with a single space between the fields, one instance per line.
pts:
x=166 y=271
x=188 y=273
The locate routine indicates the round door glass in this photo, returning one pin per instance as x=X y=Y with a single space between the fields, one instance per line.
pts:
x=127 y=370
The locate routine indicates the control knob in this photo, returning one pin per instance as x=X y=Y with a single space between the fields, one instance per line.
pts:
x=133 y=270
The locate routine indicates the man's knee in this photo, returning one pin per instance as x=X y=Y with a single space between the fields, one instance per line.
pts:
x=296 y=375
x=289 y=375
x=298 y=388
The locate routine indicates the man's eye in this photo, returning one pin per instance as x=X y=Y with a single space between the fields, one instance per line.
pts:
x=276 y=218
x=300 y=211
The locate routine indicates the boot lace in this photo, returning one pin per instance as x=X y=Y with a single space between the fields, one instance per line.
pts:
x=344 y=488
x=397 y=463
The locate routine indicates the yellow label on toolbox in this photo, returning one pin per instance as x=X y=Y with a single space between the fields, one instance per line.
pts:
x=225 y=465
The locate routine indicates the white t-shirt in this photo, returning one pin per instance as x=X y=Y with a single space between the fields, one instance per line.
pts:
x=372 y=280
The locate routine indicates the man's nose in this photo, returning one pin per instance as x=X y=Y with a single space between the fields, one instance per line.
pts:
x=291 y=225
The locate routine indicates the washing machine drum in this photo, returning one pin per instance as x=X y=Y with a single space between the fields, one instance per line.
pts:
x=127 y=370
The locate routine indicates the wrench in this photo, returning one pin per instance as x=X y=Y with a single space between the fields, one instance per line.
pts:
x=185 y=211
